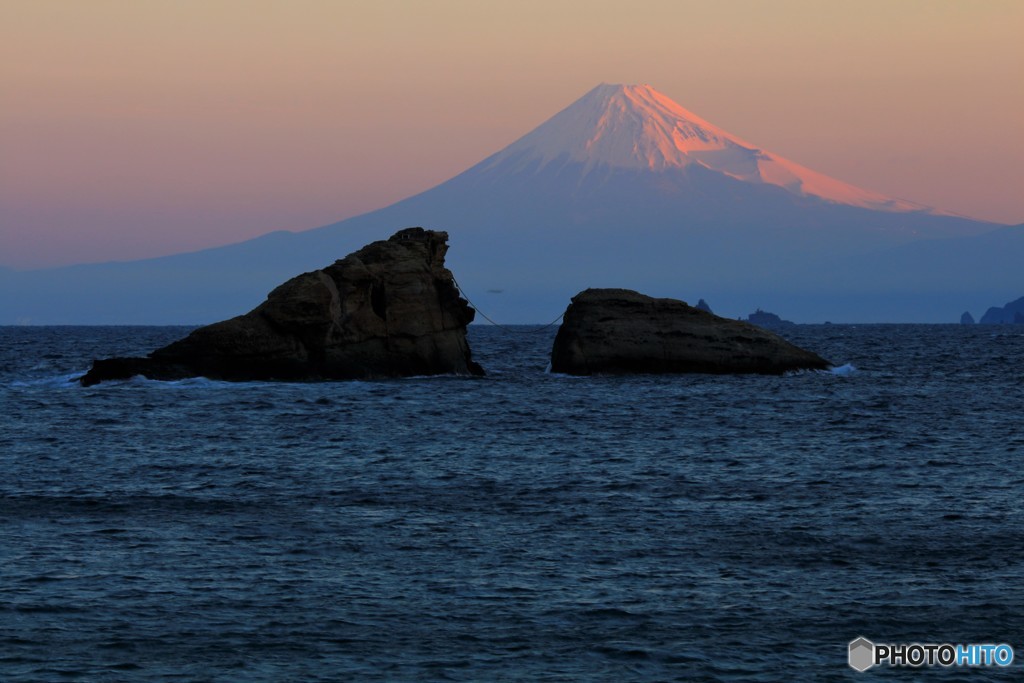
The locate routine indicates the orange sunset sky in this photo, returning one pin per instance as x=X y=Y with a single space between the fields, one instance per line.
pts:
x=136 y=128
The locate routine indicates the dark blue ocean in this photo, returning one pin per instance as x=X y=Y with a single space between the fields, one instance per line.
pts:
x=523 y=526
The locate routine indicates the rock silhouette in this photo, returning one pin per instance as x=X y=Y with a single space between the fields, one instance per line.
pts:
x=620 y=331
x=390 y=309
x=768 y=320
x=1012 y=312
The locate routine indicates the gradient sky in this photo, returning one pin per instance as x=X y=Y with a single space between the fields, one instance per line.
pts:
x=133 y=128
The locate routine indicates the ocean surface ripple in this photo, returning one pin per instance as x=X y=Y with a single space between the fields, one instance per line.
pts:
x=522 y=526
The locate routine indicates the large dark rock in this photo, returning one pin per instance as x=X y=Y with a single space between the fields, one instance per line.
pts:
x=390 y=309
x=622 y=331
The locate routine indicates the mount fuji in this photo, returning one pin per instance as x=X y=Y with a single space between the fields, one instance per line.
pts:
x=636 y=127
x=623 y=188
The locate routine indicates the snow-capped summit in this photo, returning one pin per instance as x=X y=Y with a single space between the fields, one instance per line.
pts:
x=637 y=127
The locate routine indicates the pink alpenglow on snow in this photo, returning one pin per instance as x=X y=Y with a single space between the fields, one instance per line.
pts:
x=637 y=127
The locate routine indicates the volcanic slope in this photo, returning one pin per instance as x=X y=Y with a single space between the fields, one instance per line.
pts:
x=623 y=188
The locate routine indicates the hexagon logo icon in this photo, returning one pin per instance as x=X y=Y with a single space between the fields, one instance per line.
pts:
x=862 y=654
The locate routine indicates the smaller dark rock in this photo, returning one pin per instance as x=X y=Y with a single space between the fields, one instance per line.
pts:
x=703 y=306
x=619 y=331
x=967 y=318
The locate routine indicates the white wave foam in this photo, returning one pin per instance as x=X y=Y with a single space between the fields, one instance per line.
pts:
x=188 y=382
x=63 y=380
x=843 y=370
